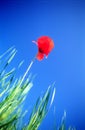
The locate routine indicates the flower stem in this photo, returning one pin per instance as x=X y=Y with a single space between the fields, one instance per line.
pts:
x=27 y=70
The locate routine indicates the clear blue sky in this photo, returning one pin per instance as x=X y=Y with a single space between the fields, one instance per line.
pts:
x=22 y=21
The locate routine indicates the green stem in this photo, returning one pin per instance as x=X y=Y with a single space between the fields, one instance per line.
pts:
x=27 y=70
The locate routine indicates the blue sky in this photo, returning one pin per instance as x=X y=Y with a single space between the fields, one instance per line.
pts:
x=23 y=21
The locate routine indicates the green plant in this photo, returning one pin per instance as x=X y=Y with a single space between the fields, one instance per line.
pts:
x=63 y=124
x=13 y=92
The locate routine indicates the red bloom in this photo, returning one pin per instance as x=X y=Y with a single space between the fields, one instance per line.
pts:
x=45 y=45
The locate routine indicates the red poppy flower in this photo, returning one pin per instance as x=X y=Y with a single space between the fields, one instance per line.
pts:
x=45 y=45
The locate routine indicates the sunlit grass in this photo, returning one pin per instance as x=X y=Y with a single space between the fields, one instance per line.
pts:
x=63 y=125
x=13 y=93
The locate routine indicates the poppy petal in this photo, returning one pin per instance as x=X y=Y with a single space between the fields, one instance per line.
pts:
x=45 y=45
x=51 y=46
x=40 y=56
